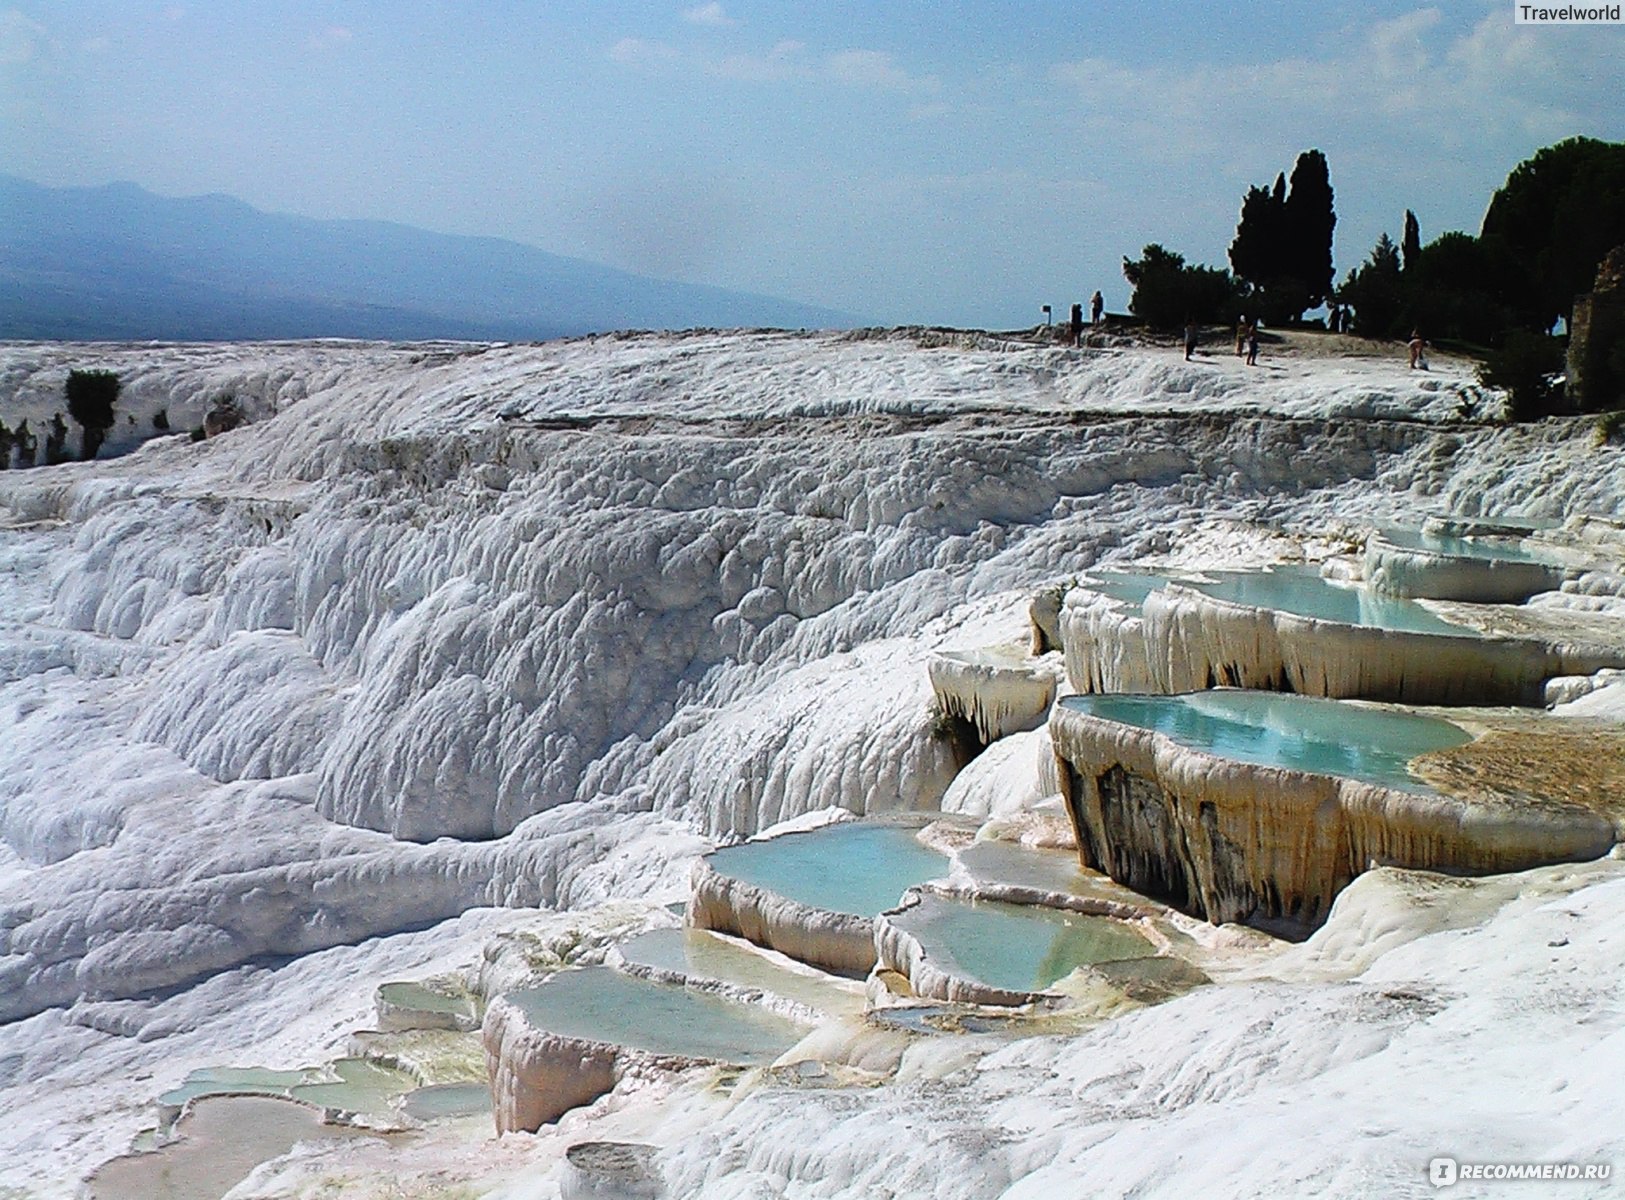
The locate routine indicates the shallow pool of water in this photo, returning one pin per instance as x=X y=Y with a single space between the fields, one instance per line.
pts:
x=226 y=1081
x=358 y=1086
x=420 y=998
x=1498 y=549
x=1018 y=947
x=603 y=1005
x=444 y=1101
x=351 y=1084
x=857 y=867
x=220 y=1142
x=1127 y=587
x=1305 y=733
x=700 y=954
x=1305 y=593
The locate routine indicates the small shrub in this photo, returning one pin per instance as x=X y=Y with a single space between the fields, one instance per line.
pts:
x=160 y=420
x=56 y=441
x=1609 y=426
x=27 y=444
x=91 y=396
x=1524 y=367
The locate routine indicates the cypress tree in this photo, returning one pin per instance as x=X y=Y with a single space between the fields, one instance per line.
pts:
x=1412 y=245
x=1310 y=220
x=1283 y=244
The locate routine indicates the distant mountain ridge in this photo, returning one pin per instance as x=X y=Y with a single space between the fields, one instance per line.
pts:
x=119 y=263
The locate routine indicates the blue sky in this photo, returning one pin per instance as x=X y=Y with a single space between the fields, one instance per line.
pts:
x=956 y=163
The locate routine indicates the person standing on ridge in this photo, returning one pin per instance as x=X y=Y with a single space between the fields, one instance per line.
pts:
x=1077 y=325
x=1191 y=336
x=1252 y=344
x=1418 y=346
x=1097 y=307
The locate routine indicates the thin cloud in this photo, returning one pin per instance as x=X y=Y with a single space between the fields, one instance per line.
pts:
x=878 y=70
x=786 y=61
x=328 y=39
x=640 y=52
x=783 y=61
x=20 y=38
x=711 y=14
x=1386 y=88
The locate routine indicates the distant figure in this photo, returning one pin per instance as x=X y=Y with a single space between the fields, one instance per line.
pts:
x=1241 y=336
x=1334 y=318
x=1252 y=344
x=1419 y=358
x=1077 y=324
x=1345 y=319
x=1097 y=308
x=1191 y=335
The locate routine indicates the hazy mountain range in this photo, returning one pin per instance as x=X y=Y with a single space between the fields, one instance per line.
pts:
x=117 y=262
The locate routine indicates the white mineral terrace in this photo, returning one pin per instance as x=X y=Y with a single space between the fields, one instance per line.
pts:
x=1446 y=567
x=451 y=667
x=1246 y=805
x=998 y=690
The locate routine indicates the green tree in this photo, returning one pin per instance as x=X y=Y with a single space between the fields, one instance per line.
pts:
x=1555 y=217
x=1256 y=254
x=1167 y=293
x=91 y=396
x=1458 y=287
x=1283 y=244
x=1375 y=291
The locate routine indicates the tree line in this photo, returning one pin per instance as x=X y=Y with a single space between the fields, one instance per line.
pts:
x=1499 y=292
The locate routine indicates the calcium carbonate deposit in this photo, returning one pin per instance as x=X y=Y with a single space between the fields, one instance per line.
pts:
x=454 y=659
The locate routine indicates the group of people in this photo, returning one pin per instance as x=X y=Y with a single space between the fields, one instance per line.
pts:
x=1097 y=310
x=1339 y=319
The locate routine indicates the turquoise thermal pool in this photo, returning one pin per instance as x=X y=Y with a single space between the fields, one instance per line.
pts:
x=1498 y=549
x=444 y=1101
x=1017 y=947
x=856 y=867
x=599 y=1004
x=1126 y=587
x=1304 y=733
x=349 y=1085
x=699 y=954
x=1308 y=595
x=412 y=996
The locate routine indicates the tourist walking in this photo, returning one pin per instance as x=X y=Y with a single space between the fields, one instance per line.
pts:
x=1252 y=344
x=1191 y=336
x=1097 y=308
x=1419 y=358
x=1077 y=325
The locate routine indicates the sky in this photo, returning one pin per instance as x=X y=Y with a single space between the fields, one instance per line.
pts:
x=945 y=163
